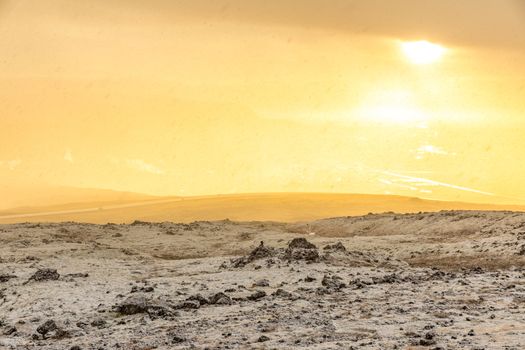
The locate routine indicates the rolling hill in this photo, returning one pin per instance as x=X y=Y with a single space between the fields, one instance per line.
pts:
x=288 y=207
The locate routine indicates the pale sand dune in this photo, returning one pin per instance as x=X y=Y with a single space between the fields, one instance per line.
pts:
x=287 y=207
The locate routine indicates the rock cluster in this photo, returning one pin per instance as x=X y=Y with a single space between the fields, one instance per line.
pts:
x=298 y=249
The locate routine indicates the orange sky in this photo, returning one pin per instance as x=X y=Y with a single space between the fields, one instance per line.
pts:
x=214 y=96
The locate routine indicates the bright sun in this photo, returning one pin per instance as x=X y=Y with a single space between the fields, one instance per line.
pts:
x=422 y=52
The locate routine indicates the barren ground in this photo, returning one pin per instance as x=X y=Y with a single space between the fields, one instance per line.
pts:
x=447 y=280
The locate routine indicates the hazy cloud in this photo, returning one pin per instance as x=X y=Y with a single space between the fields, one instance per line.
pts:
x=68 y=156
x=476 y=22
x=465 y=22
x=141 y=165
x=422 y=182
x=425 y=150
x=10 y=164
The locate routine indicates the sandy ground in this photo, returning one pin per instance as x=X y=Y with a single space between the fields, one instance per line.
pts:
x=447 y=280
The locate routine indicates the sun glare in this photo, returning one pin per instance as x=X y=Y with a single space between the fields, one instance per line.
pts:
x=393 y=106
x=422 y=52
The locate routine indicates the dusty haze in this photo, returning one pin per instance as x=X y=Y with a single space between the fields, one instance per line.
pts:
x=183 y=98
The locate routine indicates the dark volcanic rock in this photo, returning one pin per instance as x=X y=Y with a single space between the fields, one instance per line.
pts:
x=197 y=297
x=146 y=289
x=77 y=275
x=301 y=243
x=387 y=279
x=10 y=330
x=51 y=329
x=45 y=275
x=282 y=294
x=133 y=305
x=428 y=340
x=177 y=339
x=220 y=299
x=337 y=247
x=138 y=304
x=333 y=282
x=140 y=223
x=258 y=253
x=257 y=295
x=309 y=255
x=47 y=327
x=99 y=323
x=262 y=283
x=5 y=277
x=262 y=339
x=301 y=249
x=309 y=279
x=188 y=304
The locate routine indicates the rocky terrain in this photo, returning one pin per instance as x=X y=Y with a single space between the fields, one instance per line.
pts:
x=447 y=280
